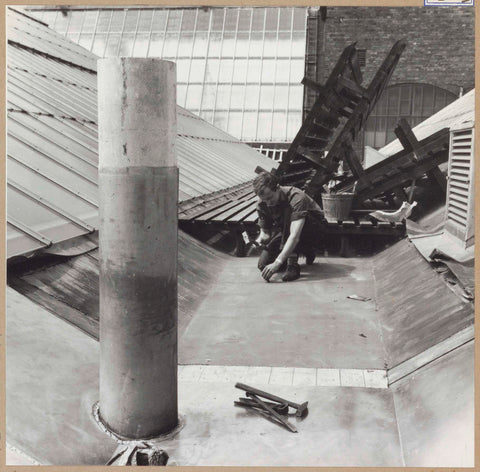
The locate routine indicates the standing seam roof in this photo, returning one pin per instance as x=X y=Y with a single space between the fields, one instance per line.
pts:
x=52 y=142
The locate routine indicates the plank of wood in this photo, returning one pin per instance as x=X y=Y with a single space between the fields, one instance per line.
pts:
x=407 y=138
x=217 y=211
x=228 y=214
x=352 y=86
x=437 y=176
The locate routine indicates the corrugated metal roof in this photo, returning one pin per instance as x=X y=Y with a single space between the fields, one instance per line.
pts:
x=52 y=144
x=460 y=110
x=31 y=33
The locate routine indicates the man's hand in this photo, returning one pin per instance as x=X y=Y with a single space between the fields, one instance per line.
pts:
x=263 y=238
x=270 y=269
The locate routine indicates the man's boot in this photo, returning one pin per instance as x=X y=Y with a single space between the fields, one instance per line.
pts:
x=310 y=256
x=293 y=269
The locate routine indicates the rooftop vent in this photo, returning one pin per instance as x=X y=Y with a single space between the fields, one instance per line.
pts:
x=460 y=192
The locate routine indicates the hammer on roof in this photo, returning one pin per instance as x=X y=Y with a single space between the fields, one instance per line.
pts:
x=302 y=409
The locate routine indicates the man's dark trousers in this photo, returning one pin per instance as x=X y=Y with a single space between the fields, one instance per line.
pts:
x=309 y=239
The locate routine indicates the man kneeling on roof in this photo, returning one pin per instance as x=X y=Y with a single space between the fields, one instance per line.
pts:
x=286 y=216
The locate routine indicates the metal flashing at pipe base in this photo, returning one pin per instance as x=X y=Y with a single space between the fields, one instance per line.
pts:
x=124 y=440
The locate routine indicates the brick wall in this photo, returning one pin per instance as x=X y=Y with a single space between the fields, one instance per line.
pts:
x=440 y=45
x=440 y=42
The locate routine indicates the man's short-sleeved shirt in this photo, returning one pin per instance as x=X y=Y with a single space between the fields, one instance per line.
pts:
x=299 y=204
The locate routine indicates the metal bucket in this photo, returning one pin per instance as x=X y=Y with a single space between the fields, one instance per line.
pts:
x=337 y=206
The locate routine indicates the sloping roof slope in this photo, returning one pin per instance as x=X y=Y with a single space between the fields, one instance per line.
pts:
x=70 y=289
x=416 y=309
x=52 y=145
x=462 y=109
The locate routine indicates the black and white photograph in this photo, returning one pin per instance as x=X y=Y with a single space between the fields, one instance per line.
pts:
x=240 y=235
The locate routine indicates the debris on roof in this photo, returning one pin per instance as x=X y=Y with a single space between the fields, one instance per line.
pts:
x=305 y=165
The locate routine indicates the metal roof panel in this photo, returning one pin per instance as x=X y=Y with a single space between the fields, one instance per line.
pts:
x=22 y=29
x=52 y=141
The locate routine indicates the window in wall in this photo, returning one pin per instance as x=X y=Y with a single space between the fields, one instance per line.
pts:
x=61 y=23
x=295 y=97
x=282 y=69
x=242 y=45
x=181 y=94
x=299 y=19
x=182 y=69
x=74 y=37
x=99 y=43
x=258 y=19
x=49 y=18
x=221 y=119
x=156 y=45
x=209 y=94
x=226 y=70
x=414 y=102
x=249 y=126
x=116 y=24
x=231 y=15
x=126 y=45
x=268 y=71
x=140 y=46
x=284 y=44
x=264 y=126
x=200 y=44
x=174 y=20
x=285 y=22
x=228 y=45
x=90 y=22
x=131 y=20
x=76 y=22
x=85 y=41
x=279 y=126
x=203 y=20
x=234 y=122
x=223 y=97
x=197 y=71
x=281 y=97
x=188 y=22
x=271 y=21
x=159 y=21
x=266 y=97
x=185 y=45
x=145 y=21
x=256 y=45
x=251 y=96
x=244 y=19
x=240 y=70
x=294 y=121
x=270 y=45
x=254 y=51
x=194 y=97
x=236 y=100
x=211 y=74
x=254 y=70
x=112 y=45
x=170 y=47
x=218 y=15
